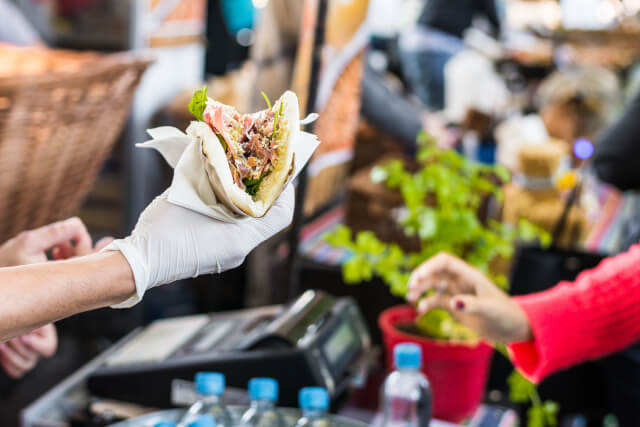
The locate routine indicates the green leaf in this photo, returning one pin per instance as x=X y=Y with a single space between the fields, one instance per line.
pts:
x=221 y=140
x=198 y=103
x=423 y=138
x=428 y=224
x=339 y=237
x=266 y=99
x=527 y=231
x=502 y=173
x=551 y=410
x=396 y=173
x=398 y=283
x=379 y=174
x=390 y=262
x=356 y=270
x=275 y=120
x=520 y=388
x=501 y=281
x=536 y=416
x=253 y=185
x=437 y=323
x=367 y=242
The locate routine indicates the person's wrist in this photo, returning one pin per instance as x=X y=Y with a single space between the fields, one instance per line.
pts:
x=123 y=280
x=522 y=330
x=137 y=269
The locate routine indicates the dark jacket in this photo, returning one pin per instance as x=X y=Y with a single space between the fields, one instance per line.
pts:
x=617 y=155
x=455 y=16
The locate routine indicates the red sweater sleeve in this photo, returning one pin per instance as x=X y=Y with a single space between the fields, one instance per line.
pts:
x=596 y=315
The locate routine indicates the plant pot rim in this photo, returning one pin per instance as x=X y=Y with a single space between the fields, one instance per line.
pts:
x=391 y=316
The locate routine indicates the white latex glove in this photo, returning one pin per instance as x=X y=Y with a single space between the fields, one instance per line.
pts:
x=170 y=243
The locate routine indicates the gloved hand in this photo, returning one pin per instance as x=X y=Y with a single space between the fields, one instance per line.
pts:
x=170 y=243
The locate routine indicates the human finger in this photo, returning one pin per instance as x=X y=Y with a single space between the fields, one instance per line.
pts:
x=49 y=236
x=434 y=301
x=11 y=370
x=43 y=341
x=13 y=360
x=469 y=305
x=63 y=251
x=21 y=349
x=428 y=275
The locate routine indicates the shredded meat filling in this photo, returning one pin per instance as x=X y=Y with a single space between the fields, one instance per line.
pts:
x=250 y=147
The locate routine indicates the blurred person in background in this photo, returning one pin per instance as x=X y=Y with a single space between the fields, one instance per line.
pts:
x=20 y=355
x=14 y=27
x=598 y=311
x=598 y=314
x=437 y=37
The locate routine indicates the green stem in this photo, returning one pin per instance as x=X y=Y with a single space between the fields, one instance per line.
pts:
x=535 y=397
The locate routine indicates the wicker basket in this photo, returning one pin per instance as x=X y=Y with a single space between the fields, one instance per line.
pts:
x=56 y=130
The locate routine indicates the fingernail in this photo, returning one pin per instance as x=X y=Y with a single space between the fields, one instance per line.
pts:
x=459 y=305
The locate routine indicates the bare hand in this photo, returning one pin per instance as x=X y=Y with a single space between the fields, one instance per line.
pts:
x=470 y=297
x=66 y=239
x=20 y=355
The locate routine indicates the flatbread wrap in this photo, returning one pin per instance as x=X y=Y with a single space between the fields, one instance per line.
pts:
x=248 y=157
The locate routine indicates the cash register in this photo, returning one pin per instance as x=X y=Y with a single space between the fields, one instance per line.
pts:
x=316 y=340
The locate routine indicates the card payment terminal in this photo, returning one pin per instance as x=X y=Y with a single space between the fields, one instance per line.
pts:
x=316 y=340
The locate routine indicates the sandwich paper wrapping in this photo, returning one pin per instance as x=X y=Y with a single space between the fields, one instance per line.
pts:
x=190 y=187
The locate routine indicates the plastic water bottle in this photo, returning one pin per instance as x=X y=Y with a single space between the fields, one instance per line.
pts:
x=210 y=387
x=205 y=420
x=314 y=403
x=263 y=393
x=406 y=394
x=165 y=424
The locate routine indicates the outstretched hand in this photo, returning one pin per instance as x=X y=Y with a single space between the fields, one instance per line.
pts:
x=170 y=242
x=445 y=281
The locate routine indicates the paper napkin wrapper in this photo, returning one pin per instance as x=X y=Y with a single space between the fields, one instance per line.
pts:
x=190 y=187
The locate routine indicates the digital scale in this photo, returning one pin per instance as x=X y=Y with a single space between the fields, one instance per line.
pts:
x=316 y=340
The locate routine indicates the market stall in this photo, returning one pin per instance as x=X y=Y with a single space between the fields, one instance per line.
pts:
x=459 y=250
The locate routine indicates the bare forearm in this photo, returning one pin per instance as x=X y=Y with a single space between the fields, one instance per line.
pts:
x=34 y=295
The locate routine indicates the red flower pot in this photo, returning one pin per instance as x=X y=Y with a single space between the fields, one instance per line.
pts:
x=457 y=373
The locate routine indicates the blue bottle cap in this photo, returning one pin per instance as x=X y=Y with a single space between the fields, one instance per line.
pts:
x=263 y=389
x=407 y=356
x=314 y=399
x=210 y=383
x=165 y=424
x=205 y=420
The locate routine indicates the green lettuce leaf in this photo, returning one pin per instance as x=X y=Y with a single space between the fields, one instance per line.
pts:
x=198 y=103
x=252 y=185
x=275 y=121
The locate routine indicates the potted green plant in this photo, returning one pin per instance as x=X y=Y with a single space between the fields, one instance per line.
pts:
x=441 y=204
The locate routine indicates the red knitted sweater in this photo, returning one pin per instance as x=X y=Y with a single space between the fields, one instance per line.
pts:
x=596 y=315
